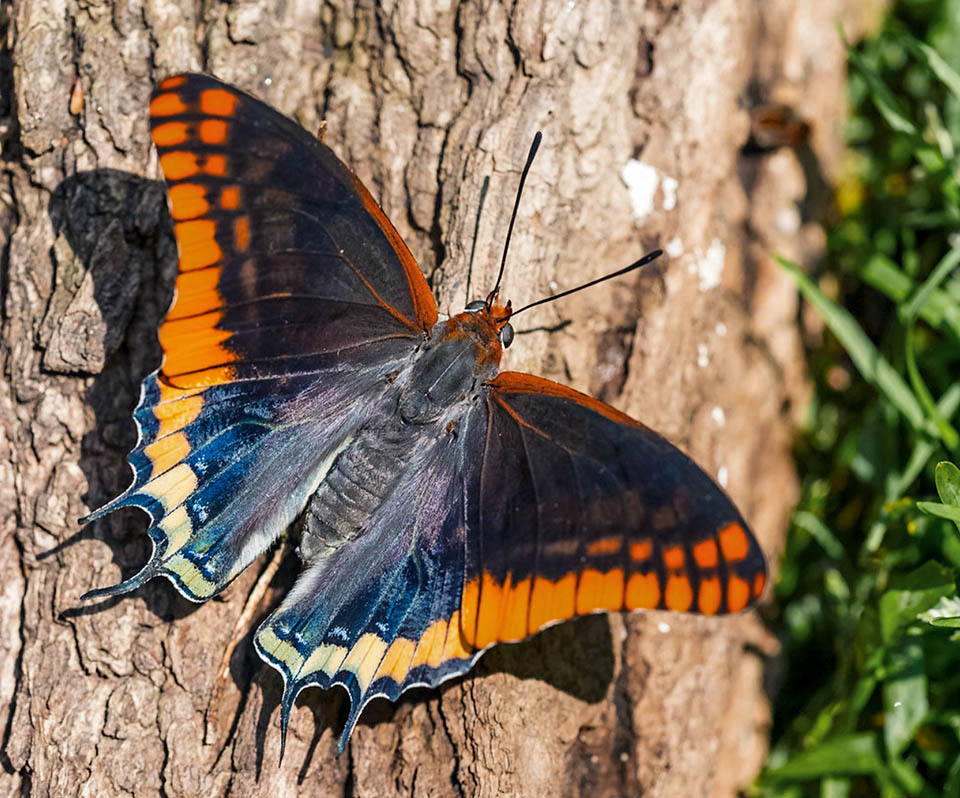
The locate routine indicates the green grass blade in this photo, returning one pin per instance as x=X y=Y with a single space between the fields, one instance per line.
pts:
x=885 y=101
x=939 y=273
x=924 y=449
x=947 y=433
x=935 y=62
x=821 y=533
x=843 y=754
x=874 y=367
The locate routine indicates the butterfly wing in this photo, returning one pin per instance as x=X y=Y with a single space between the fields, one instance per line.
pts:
x=580 y=508
x=549 y=505
x=380 y=615
x=295 y=300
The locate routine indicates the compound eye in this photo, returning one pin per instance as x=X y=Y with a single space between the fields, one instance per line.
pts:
x=506 y=335
x=477 y=304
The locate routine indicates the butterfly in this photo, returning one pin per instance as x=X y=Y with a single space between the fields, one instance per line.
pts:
x=445 y=506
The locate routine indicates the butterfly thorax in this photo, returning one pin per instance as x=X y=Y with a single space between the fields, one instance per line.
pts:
x=461 y=353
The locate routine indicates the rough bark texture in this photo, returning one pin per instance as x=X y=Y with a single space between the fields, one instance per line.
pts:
x=424 y=100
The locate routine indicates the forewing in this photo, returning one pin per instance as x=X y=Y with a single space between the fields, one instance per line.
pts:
x=580 y=509
x=295 y=301
x=283 y=253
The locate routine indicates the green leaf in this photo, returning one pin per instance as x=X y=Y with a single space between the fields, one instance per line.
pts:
x=840 y=755
x=945 y=613
x=948 y=483
x=905 y=704
x=940 y=510
x=913 y=593
x=875 y=368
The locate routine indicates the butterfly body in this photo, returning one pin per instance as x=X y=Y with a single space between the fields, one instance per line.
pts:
x=446 y=506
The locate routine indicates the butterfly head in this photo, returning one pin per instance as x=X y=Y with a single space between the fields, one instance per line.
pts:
x=496 y=315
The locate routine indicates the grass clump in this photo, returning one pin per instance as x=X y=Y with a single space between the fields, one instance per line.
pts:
x=866 y=605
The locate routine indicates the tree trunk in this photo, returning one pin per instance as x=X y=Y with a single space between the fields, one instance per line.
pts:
x=424 y=100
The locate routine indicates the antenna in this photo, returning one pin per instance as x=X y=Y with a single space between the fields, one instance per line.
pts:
x=523 y=178
x=650 y=256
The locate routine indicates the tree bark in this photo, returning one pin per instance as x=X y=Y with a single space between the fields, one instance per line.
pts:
x=423 y=100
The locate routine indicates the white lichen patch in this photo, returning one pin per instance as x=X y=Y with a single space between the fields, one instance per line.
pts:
x=641 y=180
x=674 y=247
x=669 y=187
x=709 y=264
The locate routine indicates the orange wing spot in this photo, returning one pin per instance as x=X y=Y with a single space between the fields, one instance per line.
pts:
x=179 y=165
x=552 y=601
x=705 y=553
x=193 y=350
x=564 y=597
x=588 y=591
x=203 y=379
x=710 y=595
x=759 y=582
x=679 y=594
x=643 y=592
x=396 y=662
x=490 y=611
x=430 y=647
x=514 y=626
x=230 y=198
x=167 y=104
x=604 y=546
x=213 y=131
x=600 y=591
x=611 y=595
x=455 y=646
x=188 y=201
x=166 y=452
x=241 y=233
x=673 y=558
x=541 y=604
x=641 y=551
x=215 y=165
x=738 y=594
x=176 y=415
x=196 y=293
x=218 y=102
x=173 y=82
x=469 y=602
x=198 y=247
x=170 y=134
x=733 y=542
x=173 y=332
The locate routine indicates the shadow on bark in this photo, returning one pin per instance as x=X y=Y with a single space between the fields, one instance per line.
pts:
x=115 y=262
